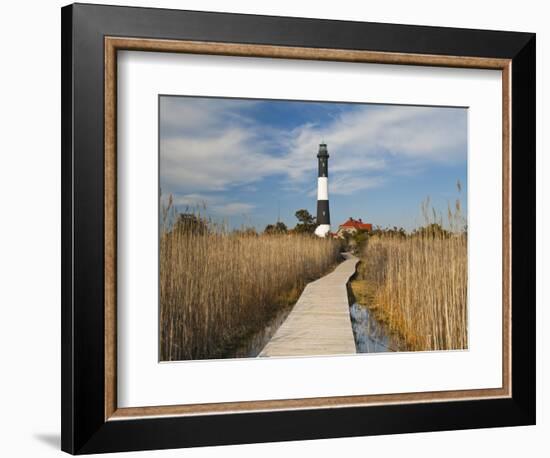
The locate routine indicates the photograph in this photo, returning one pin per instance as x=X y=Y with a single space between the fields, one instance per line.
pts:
x=294 y=228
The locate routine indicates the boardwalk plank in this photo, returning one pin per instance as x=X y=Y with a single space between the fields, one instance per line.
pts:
x=319 y=323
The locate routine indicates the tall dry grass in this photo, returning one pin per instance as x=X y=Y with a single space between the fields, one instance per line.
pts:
x=417 y=283
x=217 y=286
x=419 y=289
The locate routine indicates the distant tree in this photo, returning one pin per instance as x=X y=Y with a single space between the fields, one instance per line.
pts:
x=281 y=227
x=434 y=230
x=355 y=241
x=306 y=222
x=246 y=232
x=393 y=232
x=361 y=237
x=304 y=216
x=188 y=222
x=277 y=228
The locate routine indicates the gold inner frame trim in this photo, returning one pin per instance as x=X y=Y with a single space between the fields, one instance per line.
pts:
x=114 y=44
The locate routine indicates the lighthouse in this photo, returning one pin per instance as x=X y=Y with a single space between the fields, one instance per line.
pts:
x=323 y=213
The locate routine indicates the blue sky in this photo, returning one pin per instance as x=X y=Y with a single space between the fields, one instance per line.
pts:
x=249 y=160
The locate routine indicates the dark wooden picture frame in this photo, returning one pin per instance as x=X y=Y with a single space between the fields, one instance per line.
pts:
x=91 y=37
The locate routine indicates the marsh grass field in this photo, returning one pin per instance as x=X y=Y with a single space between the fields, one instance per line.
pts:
x=217 y=287
x=416 y=283
x=417 y=287
x=221 y=287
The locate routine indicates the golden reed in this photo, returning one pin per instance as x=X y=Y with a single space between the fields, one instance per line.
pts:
x=417 y=286
x=217 y=287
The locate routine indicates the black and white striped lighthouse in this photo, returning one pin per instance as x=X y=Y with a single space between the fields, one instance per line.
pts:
x=323 y=213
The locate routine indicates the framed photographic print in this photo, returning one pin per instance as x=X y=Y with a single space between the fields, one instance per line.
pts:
x=284 y=228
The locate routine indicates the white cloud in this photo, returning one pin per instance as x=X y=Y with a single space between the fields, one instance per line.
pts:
x=196 y=114
x=214 y=204
x=233 y=208
x=365 y=139
x=210 y=145
x=209 y=163
x=191 y=200
x=348 y=184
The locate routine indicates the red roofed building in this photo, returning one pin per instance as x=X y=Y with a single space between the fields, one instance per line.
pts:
x=351 y=226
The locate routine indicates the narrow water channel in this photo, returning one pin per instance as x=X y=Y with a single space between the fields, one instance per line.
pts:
x=370 y=335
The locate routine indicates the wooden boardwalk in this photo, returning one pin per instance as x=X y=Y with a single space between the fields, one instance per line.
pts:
x=319 y=323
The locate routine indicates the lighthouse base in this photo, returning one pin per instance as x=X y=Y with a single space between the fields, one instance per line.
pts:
x=322 y=230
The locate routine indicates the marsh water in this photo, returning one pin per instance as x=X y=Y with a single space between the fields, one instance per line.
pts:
x=370 y=335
